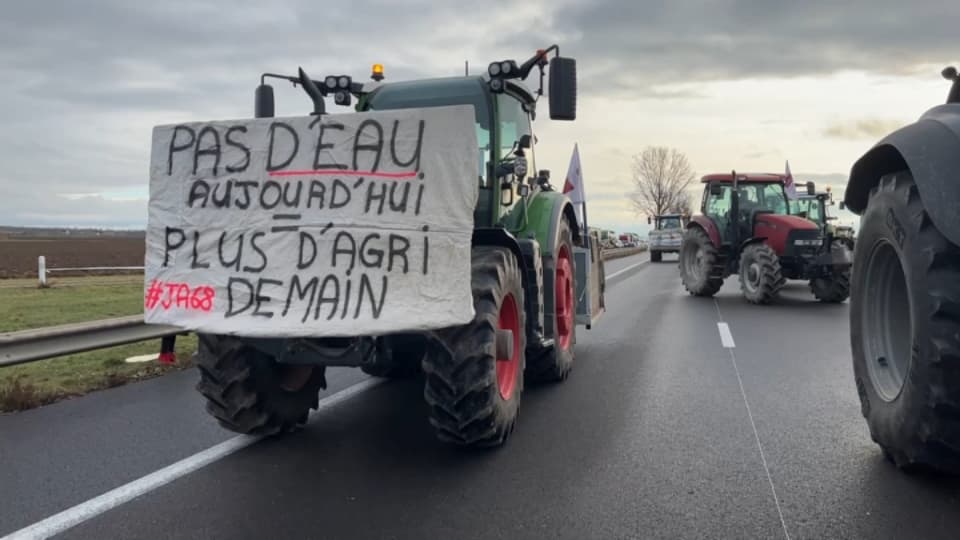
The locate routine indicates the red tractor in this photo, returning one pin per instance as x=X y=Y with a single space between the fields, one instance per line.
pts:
x=745 y=228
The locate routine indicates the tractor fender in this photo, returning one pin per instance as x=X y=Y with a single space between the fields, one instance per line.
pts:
x=495 y=236
x=708 y=226
x=930 y=149
x=754 y=240
x=543 y=220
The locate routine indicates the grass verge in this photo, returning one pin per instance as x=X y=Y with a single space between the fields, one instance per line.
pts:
x=46 y=381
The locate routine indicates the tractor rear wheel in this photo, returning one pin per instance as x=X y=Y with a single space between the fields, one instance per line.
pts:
x=904 y=315
x=700 y=268
x=474 y=383
x=761 y=277
x=834 y=288
x=554 y=363
x=397 y=357
x=248 y=392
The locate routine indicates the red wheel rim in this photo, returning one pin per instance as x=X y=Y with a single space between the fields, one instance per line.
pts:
x=508 y=368
x=563 y=285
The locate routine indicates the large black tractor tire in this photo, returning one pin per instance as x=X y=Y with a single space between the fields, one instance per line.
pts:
x=656 y=256
x=905 y=329
x=554 y=363
x=397 y=357
x=700 y=267
x=474 y=397
x=835 y=288
x=248 y=392
x=831 y=290
x=761 y=276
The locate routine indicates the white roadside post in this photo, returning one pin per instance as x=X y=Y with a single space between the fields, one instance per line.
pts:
x=42 y=270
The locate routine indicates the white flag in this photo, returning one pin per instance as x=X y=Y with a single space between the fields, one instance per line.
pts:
x=789 y=184
x=573 y=185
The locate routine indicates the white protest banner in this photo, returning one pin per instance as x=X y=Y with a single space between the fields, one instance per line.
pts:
x=333 y=225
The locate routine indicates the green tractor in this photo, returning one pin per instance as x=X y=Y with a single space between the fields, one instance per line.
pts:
x=817 y=208
x=536 y=275
x=905 y=305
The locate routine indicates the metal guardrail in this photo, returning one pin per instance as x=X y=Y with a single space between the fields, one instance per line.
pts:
x=42 y=343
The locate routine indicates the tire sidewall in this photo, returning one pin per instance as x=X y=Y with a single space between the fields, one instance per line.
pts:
x=887 y=219
x=699 y=239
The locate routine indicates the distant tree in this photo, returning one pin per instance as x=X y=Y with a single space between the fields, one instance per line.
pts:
x=684 y=204
x=661 y=178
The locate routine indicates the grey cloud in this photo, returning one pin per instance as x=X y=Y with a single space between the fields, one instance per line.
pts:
x=636 y=43
x=866 y=128
x=85 y=81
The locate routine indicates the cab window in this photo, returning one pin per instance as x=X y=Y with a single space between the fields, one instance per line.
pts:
x=773 y=199
x=514 y=122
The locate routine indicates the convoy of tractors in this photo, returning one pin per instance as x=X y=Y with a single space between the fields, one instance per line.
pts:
x=536 y=273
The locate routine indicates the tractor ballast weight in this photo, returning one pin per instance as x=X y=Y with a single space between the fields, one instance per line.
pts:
x=536 y=274
x=905 y=306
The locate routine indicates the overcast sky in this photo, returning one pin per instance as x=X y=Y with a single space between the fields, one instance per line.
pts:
x=735 y=84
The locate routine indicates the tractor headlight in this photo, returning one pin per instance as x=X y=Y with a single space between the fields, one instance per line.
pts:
x=330 y=82
x=494 y=69
x=344 y=82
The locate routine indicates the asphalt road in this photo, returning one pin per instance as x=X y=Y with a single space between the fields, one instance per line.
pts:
x=660 y=432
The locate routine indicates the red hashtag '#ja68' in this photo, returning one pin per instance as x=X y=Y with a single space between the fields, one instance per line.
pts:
x=166 y=295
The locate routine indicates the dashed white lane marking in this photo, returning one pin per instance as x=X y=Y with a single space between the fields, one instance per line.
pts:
x=627 y=269
x=753 y=425
x=725 y=336
x=84 y=511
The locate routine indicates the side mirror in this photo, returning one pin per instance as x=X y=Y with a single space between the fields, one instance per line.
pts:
x=263 y=105
x=523 y=190
x=843 y=205
x=811 y=188
x=716 y=188
x=524 y=142
x=563 y=88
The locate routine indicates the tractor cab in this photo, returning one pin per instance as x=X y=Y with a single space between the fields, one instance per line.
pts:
x=739 y=204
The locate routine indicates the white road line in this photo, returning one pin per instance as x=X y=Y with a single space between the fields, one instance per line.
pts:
x=627 y=269
x=725 y=336
x=756 y=434
x=84 y=511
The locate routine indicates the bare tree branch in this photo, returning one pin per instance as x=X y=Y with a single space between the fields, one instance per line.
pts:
x=661 y=178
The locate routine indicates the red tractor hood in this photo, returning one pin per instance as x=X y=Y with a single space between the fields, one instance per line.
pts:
x=787 y=222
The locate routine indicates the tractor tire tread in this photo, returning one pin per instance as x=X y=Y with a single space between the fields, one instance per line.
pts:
x=461 y=384
x=934 y=443
x=712 y=279
x=241 y=395
x=771 y=274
